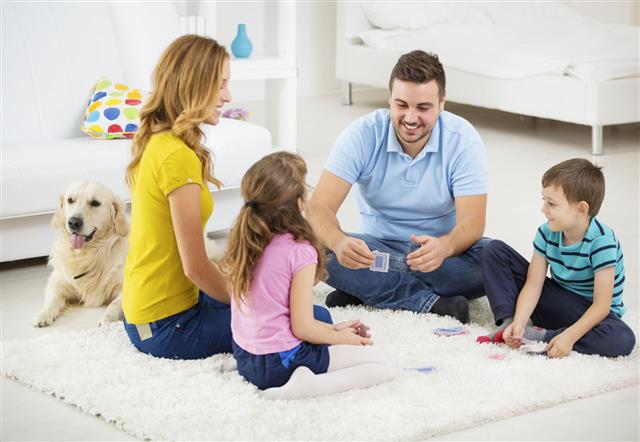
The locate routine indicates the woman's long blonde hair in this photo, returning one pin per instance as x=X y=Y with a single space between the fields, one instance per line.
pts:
x=185 y=89
x=271 y=189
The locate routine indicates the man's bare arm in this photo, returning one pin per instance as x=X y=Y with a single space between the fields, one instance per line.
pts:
x=327 y=198
x=471 y=214
x=322 y=214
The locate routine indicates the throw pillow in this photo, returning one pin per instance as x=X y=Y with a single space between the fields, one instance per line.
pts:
x=113 y=110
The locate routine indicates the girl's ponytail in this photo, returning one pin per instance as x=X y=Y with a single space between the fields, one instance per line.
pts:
x=247 y=241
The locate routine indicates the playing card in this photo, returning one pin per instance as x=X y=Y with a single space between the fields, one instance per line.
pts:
x=380 y=262
x=451 y=331
x=423 y=369
x=535 y=348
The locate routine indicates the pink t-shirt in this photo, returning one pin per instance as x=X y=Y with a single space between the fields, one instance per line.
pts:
x=263 y=324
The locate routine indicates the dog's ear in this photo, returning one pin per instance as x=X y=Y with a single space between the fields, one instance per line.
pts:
x=57 y=222
x=119 y=217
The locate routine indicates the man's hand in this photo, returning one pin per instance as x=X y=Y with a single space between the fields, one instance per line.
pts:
x=431 y=254
x=353 y=253
x=560 y=346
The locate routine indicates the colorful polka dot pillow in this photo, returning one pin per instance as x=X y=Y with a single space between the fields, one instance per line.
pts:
x=113 y=110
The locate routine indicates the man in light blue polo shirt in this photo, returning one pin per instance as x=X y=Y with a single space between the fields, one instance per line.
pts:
x=421 y=181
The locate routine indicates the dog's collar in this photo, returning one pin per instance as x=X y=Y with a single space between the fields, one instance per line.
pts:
x=80 y=275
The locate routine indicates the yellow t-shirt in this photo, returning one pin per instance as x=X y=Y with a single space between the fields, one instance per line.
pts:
x=155 y=285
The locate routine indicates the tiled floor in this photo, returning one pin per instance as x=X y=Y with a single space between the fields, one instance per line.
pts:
x=519 y=150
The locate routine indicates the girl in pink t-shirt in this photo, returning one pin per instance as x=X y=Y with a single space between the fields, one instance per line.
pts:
x=282 y=343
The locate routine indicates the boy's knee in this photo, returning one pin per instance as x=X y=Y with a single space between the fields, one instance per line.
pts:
x=627 y=342
x=619 y=342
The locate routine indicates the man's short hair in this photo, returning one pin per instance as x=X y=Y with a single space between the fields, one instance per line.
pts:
x=580 y=180
x=419 y=67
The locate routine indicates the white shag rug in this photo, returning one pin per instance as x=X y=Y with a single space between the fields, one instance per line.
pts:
x=100 y=372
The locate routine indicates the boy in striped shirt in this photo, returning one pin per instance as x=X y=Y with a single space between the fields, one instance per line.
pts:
x=579 y=307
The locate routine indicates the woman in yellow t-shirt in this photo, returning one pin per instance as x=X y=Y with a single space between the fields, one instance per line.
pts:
x=175 y=301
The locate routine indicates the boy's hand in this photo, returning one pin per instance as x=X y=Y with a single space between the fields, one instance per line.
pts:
x=560 y=346
x=513 y=334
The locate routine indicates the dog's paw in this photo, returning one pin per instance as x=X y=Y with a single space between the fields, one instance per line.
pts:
x=109 y=317
x=43 y=319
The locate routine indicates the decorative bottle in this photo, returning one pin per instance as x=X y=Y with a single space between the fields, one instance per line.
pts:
x=241 y=46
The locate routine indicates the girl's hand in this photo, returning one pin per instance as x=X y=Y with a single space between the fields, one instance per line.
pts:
x=363 y=330
x=560 y=346
x=513 y=334
x=350 y=336
x=355 y=325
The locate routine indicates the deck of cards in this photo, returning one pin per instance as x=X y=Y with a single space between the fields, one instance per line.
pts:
x=380 y=262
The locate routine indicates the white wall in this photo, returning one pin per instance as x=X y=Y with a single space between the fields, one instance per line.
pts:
x=316 y=36
x=315 y=41
x=613 y=11
x=316 y=48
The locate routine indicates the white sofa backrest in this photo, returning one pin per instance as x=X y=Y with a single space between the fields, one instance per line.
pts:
x=350 y=22
x=53 y=53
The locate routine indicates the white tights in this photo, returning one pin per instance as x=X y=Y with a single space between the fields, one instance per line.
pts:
x=350 y=366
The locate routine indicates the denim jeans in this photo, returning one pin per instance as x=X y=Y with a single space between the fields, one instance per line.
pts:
x=403 y=288
x=198 y=332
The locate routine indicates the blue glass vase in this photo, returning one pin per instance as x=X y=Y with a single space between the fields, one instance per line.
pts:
x=241 y=46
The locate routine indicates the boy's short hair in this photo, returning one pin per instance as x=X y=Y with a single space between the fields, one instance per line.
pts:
x=419 y=67
x=580 y=180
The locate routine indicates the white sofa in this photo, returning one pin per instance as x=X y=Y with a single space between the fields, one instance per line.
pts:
x=52 y=55
x=558 y=97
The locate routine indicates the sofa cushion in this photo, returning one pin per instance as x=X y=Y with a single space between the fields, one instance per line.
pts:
x=34 y=174
x=113 y=110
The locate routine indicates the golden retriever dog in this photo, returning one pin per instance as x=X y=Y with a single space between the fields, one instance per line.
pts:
x=89 y=254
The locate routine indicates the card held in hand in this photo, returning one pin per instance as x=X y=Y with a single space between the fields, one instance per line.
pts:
x=380 y=262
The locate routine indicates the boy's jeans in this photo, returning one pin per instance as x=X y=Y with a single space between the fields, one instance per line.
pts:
x=505 y=272
x=403 y=288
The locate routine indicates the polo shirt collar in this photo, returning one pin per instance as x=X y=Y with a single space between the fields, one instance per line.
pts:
x=433 y=144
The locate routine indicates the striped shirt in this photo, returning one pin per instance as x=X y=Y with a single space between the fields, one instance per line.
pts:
x=574 y=266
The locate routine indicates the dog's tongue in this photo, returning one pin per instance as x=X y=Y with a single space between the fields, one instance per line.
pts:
x=77 y=241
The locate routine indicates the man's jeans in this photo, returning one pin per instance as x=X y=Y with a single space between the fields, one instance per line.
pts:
x=403 y=288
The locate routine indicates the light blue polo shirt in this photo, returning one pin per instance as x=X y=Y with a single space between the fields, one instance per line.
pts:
x=399 y=196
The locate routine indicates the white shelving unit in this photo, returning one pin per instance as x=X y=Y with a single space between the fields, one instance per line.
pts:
x=277 y=67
